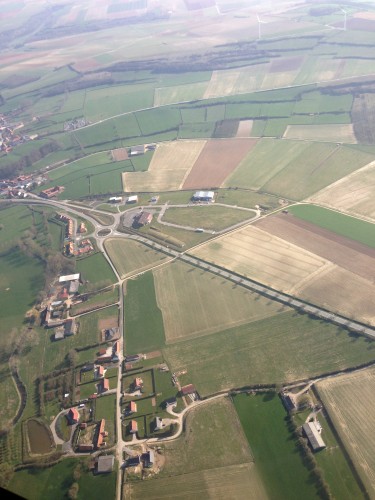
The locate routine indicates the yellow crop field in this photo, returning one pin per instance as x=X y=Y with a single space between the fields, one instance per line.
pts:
x=329 y=133
x=196 y=303
x=168 y=169
x=236 y=81
x=244 y=128
x=129 y=256
x=279 y=79
x=353 y=194
x=342 y=291
x=179 y=93
x=349 y=400
x=263 y=257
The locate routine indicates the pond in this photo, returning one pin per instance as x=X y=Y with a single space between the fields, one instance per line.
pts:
x=39 y=437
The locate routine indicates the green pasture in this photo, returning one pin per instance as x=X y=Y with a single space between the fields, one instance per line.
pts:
x=141 y=163
x=203 y=130
x=342 y=224
x=144 y=330
x=98 y=300
x=129 y=256
x=95 y=271
x=335 y=467
x=211 y=217
x=295 y=169
x=52 y=482
x=158 y=119
x=275 y=450
x=246 y=198
x=212 y=438
x=116 y=99
x=283 y=348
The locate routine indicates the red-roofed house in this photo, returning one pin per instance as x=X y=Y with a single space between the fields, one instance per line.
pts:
x=100 y=372
x=132 y=408
x=104 y=385
x=73 y=416
x=188 y=389
x=133 y=426
x=101 y=434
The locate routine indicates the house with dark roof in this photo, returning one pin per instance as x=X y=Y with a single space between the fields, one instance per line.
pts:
x=70 y=327
x=105 y=464
x=315 y=439
x=148 y=458
x=133 y=461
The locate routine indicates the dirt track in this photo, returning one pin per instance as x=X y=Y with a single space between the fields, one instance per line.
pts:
x=346 y=253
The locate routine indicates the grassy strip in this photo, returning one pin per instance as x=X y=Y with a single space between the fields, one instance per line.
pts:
x=275 y=451
x=144 y=329
x=347 y=226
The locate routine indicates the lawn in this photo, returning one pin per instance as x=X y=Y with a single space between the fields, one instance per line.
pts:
x=131 y=257
x=342 y=224
x=95 y=272
x=283 y=348
x=144 y=330
x=211 y=217
x=54 y=482
x=275 y=451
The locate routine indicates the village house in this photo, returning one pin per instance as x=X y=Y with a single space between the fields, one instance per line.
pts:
x=137 y=384
x=101 y=434
x=142 y=219
x=132 y=408
x=73 y=416
x=104 y=386
x=133 y=426
x=158 y=424
x=148 y=459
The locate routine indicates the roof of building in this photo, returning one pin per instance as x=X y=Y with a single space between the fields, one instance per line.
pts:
x=69 y=277
x=188 y=389
x=144 y=218
x=105 y=464
x=204 y=194
x=133 y=425
x=105 y=384
x=133 y=461
x=101 y=370
x=138 y=381
x=131 y=198
x=312 y=434
x=70 y=326
x=59 y=334
x=73 y=414
x=73 y=286
x=101 y=433
x=133 y=406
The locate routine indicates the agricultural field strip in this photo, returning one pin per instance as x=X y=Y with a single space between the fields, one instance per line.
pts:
x=168 y=169
x=265 y=290
x=352 y=194
x=348 y=400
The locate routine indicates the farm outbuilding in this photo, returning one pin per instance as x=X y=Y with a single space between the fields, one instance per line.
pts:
x=132 y=199
x=188 y=389
x=204 y=196
x=105 y=464
x=312 y=434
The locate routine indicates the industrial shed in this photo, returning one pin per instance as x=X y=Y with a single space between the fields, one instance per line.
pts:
x=312 y=434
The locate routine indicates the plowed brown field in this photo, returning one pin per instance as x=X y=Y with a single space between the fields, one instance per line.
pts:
x=348 y=254
x=217 y=160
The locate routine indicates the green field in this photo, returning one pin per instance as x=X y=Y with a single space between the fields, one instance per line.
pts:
x=283 y=348
x=144 y=330
x=98 y=300
x=211 y=217
x=196 y=303
x=206 y=461
x=295 y=169
x=53 y=482
x=275 y=451
x=130 y=257
x=342 y=224
x=95 y=272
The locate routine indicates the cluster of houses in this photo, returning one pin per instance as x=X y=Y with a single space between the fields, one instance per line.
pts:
x=84 y=246
x=147 y=459
x=9 y=136
x=19 y=186
x=75 y=124
x=51 y=192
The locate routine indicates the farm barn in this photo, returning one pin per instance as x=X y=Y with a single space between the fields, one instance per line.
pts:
x=204 y=196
